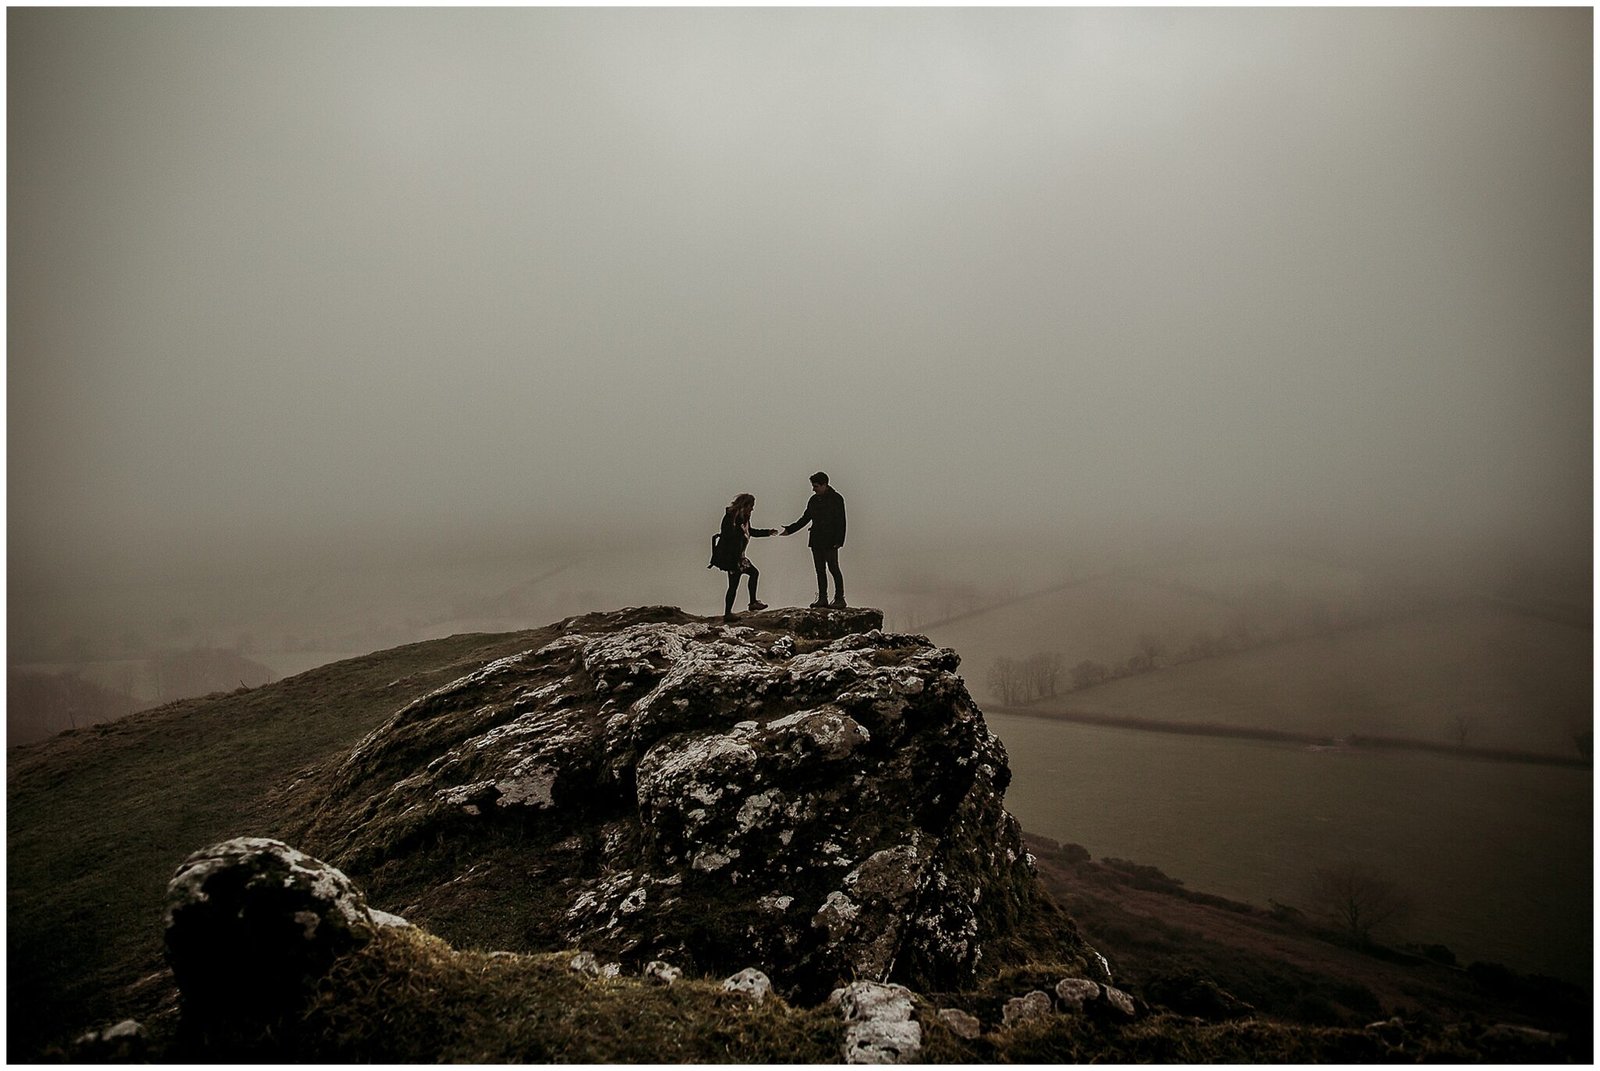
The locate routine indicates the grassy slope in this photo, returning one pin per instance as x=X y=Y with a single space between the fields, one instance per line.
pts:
x=409 y=998
x=1523 y=683
x=1289 y=968
x=98 y=819
x=1280 y=964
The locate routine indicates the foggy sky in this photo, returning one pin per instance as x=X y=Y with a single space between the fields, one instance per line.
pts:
x=282 y=274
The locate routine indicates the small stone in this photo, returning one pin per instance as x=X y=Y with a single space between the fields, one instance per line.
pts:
x=1035 y=1005
x=584 y=963
x=659 y=972
x=123 y=1043
x=1074 y=993
x=961 y=1023
x=1504 y=1033
x=1120 y=1001
x=750 y=982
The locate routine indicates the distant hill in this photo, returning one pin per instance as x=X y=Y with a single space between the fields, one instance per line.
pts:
x=1106 y=617
x=46 y=699
x=1298 y=646
x=1479 y=677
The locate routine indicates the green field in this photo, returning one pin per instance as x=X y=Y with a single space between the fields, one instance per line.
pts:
x=1496 y=856
x=1298 y=646
x=1510 y=680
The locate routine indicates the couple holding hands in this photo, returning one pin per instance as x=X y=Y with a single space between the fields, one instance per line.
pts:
x=824 y=513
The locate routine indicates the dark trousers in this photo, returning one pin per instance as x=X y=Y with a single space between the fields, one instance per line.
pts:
x=744 y=569
x=827 y=558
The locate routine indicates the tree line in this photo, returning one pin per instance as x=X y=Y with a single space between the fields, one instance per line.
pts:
x=1041 y=675
x=1017 y=680
x=1026 y=679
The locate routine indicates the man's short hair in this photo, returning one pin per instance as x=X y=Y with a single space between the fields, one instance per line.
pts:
x=819 y=477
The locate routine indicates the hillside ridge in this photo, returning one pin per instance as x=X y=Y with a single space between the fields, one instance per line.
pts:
x=99 y=819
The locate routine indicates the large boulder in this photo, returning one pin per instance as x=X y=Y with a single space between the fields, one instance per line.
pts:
x=251 y=925
x=798 y=790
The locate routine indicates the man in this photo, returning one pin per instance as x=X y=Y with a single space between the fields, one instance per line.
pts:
x=825 y=514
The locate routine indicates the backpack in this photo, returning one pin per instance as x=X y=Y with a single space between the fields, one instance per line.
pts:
x=724 y=553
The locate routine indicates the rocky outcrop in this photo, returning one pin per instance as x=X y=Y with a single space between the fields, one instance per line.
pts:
x=798 y=790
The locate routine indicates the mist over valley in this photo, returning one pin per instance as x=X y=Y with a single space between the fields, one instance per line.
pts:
x=1215 y=385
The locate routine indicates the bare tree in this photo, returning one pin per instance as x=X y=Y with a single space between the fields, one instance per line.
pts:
x=1007 y=678
x=1054 y=665
x=1042 y=672
x=1358 y=899
x=1088 y=672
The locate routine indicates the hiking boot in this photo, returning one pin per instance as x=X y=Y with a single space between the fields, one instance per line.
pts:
x=838 y=601
x=821 y=603
x=755 y=606
x=730 y=617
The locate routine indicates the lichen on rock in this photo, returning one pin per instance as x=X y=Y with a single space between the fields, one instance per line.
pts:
x=1033 y=1005
x=750 y=983
x=880 y=1025
x=660 y=784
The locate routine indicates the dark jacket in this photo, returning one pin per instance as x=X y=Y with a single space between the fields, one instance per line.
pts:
x=825 y=514
x=727 y=548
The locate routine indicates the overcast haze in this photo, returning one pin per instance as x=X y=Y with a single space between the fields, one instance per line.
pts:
x=289 y=278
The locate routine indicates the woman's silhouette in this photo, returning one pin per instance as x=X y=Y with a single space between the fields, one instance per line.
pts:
x=727 y=550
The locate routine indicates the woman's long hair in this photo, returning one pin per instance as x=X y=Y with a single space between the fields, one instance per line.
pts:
x=741 y=506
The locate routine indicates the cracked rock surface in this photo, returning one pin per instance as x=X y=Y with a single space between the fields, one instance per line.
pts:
x=797 y=790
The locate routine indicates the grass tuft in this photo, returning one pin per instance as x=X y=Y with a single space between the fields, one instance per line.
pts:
x=408 y=997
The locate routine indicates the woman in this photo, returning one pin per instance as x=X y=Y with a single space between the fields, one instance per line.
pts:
x=727 y=550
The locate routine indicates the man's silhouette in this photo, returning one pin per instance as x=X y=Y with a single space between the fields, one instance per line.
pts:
x=825 y=514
